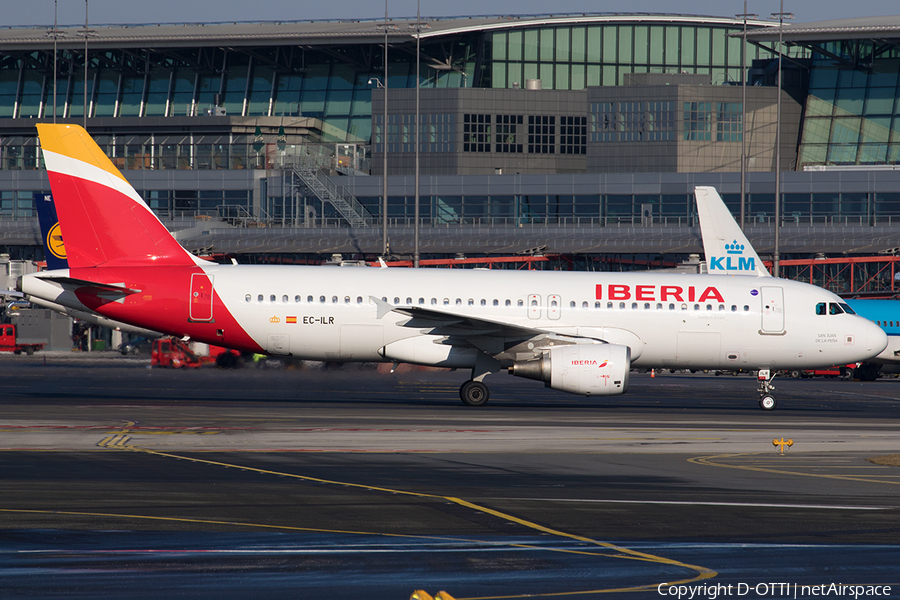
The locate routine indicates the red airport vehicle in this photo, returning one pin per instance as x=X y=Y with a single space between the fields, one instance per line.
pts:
x=176 y=354
x=9 y=342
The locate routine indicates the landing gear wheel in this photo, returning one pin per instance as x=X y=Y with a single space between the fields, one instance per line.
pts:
x=767 y=402
x=474 y=393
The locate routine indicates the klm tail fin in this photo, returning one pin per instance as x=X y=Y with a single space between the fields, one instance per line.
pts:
x=51 y=232
x=105 y=220
x=728 y=252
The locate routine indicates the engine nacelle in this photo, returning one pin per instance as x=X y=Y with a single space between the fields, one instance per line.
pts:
x=584 y=369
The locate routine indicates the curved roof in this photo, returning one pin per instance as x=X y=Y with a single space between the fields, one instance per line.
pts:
x=315 y=32
x=841 y=29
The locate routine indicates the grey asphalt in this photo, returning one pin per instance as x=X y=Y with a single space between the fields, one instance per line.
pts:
x=346 y=482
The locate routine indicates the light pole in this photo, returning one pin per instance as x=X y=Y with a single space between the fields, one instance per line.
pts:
x=744 y=16
x=776 y=256
x=418 y=26
x=384 y=191
x=86 y=33
x=385 y=248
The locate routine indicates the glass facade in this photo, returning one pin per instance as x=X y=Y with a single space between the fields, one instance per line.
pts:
x=574 y=57
x=852 y=116
x=333 y=84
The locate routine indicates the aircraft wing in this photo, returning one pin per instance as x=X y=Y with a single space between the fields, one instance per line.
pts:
x=496 y=338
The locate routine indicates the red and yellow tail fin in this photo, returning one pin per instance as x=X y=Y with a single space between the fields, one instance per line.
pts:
x=105 y=220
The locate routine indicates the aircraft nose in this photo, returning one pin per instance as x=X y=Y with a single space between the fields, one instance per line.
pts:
x=876 y=338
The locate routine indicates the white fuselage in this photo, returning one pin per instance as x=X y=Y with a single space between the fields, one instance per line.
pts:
x=668 y=320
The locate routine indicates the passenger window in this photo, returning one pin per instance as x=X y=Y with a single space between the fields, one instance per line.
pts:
x=508 y=303
x=584 y=305
x=272 y=298
x=322 y=299
x=446 y=301
x=746 y=308
x=646 y=306
x=408 y=300
x=247 y=298
x=596 y=306
x=459 y=301
x=709 y=307
x=609 y=305
x=359 y=300
x=820 y=308
x=309 y=299
x=721 y=307
x=696 y=307
x=421 y=301
x=496 y=302
x=346 y=299
x=659 y=306
x=396 y=300
x=734 y=308
x=683 y=306
x=297 y=299
x=572 y=304
x=284 y=299
x=434 y=301
x=260 y=298
x=472 y=302
x=621 y=306
x=334 y=299
x=634 y=305
x=519 y=303
x=554 y=304
x=671 y=306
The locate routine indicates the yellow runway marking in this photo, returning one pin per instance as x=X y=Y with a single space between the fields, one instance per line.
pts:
x=119 y=440
x=710 y=462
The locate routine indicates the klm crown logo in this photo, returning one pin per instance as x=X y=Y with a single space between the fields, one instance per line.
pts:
x=734 y=261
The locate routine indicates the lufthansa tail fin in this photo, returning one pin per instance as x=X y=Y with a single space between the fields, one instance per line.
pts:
x=51 y=233
x=105 y=220
x=728 y=252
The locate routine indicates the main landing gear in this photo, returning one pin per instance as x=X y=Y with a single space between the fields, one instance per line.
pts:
x=474 y=392
x=766 y=390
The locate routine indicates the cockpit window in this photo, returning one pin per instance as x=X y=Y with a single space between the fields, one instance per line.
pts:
x=820 y=308
x=847 y=308
x=834 y=308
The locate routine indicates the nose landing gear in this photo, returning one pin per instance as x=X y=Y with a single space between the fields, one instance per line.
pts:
x=766 y=390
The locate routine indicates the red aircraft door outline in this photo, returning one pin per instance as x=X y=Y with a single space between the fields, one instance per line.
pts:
x=201 y=300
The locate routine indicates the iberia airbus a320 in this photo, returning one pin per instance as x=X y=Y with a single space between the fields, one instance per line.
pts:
x=577 y=332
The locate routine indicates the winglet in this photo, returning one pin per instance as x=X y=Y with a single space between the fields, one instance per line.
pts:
x=727 y=249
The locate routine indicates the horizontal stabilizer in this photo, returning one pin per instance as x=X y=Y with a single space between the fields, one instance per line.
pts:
x=73 y=283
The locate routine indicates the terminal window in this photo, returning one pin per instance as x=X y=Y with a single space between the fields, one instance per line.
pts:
x=573 y=135
x=476 y=133
x=507 y=139
x=541 y=134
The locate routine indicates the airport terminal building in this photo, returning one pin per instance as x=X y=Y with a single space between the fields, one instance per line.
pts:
x=578 y=134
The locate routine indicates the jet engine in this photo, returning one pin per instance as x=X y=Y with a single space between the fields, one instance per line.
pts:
x=584 y=369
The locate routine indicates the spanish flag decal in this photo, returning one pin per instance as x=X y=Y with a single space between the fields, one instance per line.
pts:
x=290 y=319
